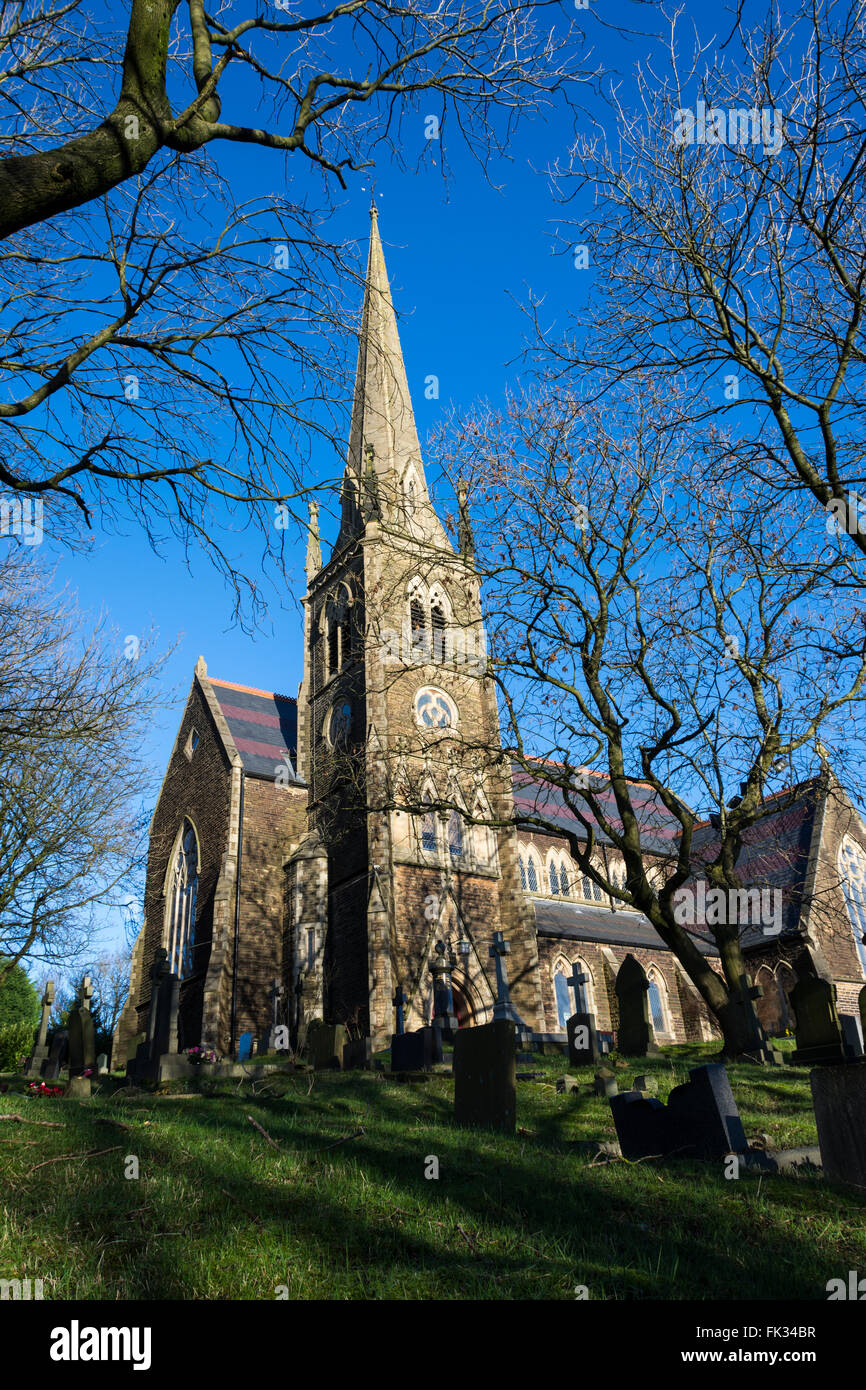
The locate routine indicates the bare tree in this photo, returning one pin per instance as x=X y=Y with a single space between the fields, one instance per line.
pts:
x=663 y=648
x=74 y=706
x=723 y=232
x=170 y=352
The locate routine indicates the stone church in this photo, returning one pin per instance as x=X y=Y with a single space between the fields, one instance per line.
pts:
x=277 y=852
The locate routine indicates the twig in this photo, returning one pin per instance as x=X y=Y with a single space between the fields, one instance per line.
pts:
x=244 y=1209
x=469 y=1241
x=25 y=1120
x=67 y=1158
x=263 y=1132
x=356 y=1135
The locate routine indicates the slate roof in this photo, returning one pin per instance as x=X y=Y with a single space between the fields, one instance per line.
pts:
x=264 y=727
x=586 y=922
x=659 y=829
x=775 y=852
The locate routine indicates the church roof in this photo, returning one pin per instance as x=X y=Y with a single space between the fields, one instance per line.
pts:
x=263 y=726
x=588 y=922
x=533 y=796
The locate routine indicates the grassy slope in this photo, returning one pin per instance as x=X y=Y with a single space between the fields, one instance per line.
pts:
x=218 y=1213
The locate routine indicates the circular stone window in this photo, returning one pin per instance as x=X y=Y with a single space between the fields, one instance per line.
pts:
x=339 y=724
x=434 y=710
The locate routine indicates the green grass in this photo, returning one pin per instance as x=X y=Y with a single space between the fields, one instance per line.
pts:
x=341 y=1209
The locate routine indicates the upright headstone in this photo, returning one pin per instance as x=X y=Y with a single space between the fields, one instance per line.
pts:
x=443 y=1000
x=57 y=1056
x=102 y=1063
x=839 y=1101
x=325 y=1043
x=276 y=1034
x=399 y=1006
x=82 y=1042
x=416 y=1051
x=819 y=1032
x=635 y=1037
x=358 y=1054
x=40 y=1047
x=485 y=1076
x=503 y=1009
x=852 y=1036
x=245 y=1047
x=583 y=1050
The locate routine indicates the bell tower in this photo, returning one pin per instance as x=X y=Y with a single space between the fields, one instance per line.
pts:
x=399 y=732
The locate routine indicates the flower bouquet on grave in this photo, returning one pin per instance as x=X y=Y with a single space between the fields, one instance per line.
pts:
x=197 y=1055
x=39 y=1088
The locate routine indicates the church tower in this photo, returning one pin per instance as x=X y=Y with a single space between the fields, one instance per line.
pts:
x=409 y=795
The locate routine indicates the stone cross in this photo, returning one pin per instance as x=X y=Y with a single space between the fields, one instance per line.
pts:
x=399 y=1004
x=86 y=993
x=276 y=1002
x=576 y=979
x=443 y=999
x=47 y=1003
x=745 y=994
x=499 y=950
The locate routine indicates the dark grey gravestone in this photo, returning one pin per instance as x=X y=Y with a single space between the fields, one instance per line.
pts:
x=635 y=1036
x=641 y=1125
x=605 y=1083
x=582 y=1041
x=818 y=1030
x=839 y=1100
x=133 y=1045
x=485 y=1076
x=82 y=1042
x=358 y=1054
x=59 y=1052
x=852 y=1037
x=245 y=1047
x=416 y=1051
x=503 y=1010
x=165 y=1030
x=703 y=1115
x=325 y=1043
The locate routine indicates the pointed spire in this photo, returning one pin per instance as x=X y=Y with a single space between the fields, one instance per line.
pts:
x=465 y=538
x=314 y=546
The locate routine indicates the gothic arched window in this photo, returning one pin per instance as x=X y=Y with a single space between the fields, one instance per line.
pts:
x=418 y=626
x=437 y=629
x=428 y=827
x=852 y=869
x=522 y=863
x=657 y=1003
x=587 y=888
x=553 y=876
x=182 y=889
x=564 y=878
x=563 y=1003
x=532 y=873
x=455 y=835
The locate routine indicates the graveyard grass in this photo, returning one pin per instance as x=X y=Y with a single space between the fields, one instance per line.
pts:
x=341 y=1209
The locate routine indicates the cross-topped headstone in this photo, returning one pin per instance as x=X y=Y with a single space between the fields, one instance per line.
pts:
x=503 y=1009
x=86 y=993
x=399 y=1005
x=276 y=1002
x=577 y=980
x=39 y=1053
x=743 y=998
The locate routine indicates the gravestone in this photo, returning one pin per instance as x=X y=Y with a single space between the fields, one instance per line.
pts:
x=700 y=1120
x=565 y=1085
x=399 y=1006
x=818 y=1030
x=648 y=1084
x=441 y=969
x=77 y=1088
x=358 y=1054
x=82 y=1035
x=102 y=1063
x=485 y=1076
x=605 y=1043
x=276 y=1033
x=839 y=1101
x=245 y=1047
x=852 y=1037
x=583 y=1048
x=325 y=1043
x=133 y=1045
x=416 y=1051
x=157 y=1058
x=755 y=1040
x=40 y=1047
x=503 y=1010
x=57 y=1056
x=604 y=1082
x=635 y=1037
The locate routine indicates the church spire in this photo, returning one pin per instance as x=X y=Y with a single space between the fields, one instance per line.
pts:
x=314 y=546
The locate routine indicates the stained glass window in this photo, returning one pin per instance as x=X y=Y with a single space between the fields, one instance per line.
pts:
x=434 y=710
x=852 y=865
x=181 y=904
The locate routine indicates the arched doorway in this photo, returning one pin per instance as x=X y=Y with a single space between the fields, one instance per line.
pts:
x=462 y=1007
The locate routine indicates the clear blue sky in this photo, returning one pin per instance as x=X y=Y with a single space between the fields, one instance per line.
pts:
x=461 y=256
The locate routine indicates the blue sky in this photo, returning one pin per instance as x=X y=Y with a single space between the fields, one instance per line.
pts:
x=462 y=255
